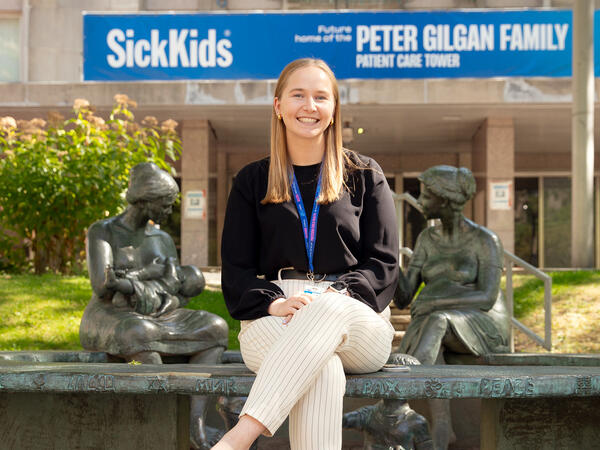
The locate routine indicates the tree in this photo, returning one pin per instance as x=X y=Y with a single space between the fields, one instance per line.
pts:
x=60 y=176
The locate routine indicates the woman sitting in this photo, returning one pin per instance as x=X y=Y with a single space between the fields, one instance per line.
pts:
x=310 y=264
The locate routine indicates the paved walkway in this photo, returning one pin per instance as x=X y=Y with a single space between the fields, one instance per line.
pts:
x=212 y=275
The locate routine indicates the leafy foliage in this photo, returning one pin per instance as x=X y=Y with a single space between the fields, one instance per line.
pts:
x=60 y=176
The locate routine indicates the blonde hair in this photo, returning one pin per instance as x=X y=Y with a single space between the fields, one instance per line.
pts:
x=334 y=159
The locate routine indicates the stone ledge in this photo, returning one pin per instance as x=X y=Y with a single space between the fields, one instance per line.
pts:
x=526 y=359
x=452 y=381
x=71 y=356
x=56 y=356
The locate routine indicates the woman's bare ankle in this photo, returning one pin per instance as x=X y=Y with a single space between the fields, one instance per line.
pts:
x=223 y=445
x=242 y=435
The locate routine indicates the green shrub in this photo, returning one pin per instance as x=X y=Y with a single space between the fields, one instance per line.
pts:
x=59 y=176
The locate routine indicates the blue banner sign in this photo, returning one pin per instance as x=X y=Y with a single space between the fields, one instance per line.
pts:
x=384 y=44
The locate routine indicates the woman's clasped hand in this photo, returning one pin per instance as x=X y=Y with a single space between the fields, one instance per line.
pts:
x=286 y=307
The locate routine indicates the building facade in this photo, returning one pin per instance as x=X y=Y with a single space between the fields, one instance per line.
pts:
x=513 y=132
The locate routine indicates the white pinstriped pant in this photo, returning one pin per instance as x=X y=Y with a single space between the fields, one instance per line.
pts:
x=300 y=366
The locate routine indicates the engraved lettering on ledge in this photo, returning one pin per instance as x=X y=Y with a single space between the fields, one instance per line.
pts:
x=584 y=386
x=375 y=387
x=39 y=380
x=99 y=383
x=394 y=386
x=433 y=386
x=158 y=384
x=367 y=387
x=506 y=387
x=215 y=386
x=387 y=387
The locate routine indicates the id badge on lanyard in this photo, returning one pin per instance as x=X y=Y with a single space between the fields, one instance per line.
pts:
x=309 y=230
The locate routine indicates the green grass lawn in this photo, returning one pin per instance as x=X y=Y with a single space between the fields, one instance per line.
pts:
x=44 y=312
x=529 y=291
x=575 y=311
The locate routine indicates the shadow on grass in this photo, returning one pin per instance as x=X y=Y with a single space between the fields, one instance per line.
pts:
x=528 y=296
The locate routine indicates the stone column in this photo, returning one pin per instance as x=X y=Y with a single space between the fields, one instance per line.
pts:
x=582 y=136
x=493 y=164
x=197 y=160
x=222 y=194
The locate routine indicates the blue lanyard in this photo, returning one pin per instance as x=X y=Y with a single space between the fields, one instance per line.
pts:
x=310 y=234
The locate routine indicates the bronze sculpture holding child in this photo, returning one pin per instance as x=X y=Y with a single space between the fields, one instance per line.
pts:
x=139 y=288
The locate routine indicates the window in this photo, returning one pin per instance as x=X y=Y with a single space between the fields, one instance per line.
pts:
x=543 y=220
x=9 y=49
x=557 y=222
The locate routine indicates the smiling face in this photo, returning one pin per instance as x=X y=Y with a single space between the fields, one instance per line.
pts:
x=433 y=205
x=306 y=103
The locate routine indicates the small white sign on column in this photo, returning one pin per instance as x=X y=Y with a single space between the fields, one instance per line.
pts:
x=195 y=205
x=500 y=195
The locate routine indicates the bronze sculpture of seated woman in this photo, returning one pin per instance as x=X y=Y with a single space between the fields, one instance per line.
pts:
x=461 y=306
x=139 y=289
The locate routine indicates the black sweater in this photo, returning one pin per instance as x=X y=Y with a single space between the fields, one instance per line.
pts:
x=356 y=235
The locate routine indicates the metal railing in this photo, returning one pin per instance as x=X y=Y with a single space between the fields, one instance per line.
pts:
x=398 y=199
x=511 y=261
x=546 y=341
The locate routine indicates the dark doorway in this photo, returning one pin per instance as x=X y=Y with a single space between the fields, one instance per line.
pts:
x=526 y=220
